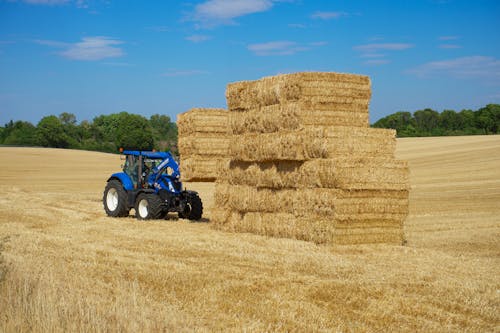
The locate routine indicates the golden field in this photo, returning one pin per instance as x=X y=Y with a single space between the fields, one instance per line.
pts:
x=65 y=266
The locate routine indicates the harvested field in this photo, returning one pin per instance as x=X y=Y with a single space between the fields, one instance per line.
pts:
x=70 y=268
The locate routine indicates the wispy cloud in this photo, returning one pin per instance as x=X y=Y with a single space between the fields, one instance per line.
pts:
x=46 y=2
x=78 y=3
x=374 y=47
x=376 y=62
x=464 y=67
x=215 y=12
x=327 y=15
x=198 y=38
x=376 y=52
x=88 y=49
x=320 y=43
x=158 y=28
x=448 y=37
x=280 y=48
x=372 y=55
x=189 y=72
x=297 y=25
x=450 y=46
x=276 y=48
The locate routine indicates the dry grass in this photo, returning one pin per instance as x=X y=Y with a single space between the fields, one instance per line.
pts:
x=70 y=268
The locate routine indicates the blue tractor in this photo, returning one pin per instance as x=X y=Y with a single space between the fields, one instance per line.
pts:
x=150 y=183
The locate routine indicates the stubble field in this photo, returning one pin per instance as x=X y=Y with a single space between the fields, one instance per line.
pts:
x=65 y=266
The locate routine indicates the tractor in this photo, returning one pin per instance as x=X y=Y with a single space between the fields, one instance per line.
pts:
x=150 y=183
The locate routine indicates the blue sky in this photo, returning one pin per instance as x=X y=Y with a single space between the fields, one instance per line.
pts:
x=100 y=57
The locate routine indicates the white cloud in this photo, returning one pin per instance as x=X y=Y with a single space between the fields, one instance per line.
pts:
x=371 y=48
x=450 y=46
x=158 y=28
x=276 y=48
x=448 y=37
x=464 y=67
x=89 y=49
x=377 y=62
x=197 y=38
x=327 y=15
x=215 y=12
x=190 y=72
x=372 y=55
x=78 y=3
x=321 y=43
x=46 y=2
x=297 y=26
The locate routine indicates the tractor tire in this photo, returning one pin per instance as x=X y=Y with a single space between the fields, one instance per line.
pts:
x=148 y=206
x=114 y=199
x=194 y=208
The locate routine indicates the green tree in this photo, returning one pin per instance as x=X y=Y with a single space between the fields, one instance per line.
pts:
x=50 y=132
x=488 y=118
x=402 y=122
x=20 y=133
x=426 y=121
x=164 y=132
x=449 y=120
x=134 y=132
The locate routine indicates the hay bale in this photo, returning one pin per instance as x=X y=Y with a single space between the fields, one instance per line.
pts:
x=204 y=144
x=198 y=168
x=317 y=229
x=202 y=120
x=363 y=204
x=292 y=116
x=342 y=173
x=312 y=143
x=313 y=86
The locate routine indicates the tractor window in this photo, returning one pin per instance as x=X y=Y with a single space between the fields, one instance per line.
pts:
x=130 y=168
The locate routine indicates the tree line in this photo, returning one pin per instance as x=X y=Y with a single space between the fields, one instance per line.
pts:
x=106 y=133
x=428 y=122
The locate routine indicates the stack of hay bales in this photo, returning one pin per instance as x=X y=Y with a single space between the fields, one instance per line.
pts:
x=304 y=163
x=203 y=143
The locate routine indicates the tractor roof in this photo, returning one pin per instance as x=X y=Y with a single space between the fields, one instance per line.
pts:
x=149 y=154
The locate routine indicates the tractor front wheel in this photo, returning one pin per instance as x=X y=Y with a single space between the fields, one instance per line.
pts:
x=194 y=207
x=114 y=199
x=148 y=206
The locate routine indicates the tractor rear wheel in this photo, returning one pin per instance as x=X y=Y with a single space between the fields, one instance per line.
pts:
x=114 y=199
x=194 y=207
x=148 y=206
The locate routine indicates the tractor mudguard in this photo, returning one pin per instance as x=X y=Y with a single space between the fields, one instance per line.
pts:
x=124 y=179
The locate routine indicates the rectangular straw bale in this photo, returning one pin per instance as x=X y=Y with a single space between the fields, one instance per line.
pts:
x=343 y=88
x=203 y=144
x=319 y=230
x=202 y=120
x=343 y=173
x=312 y=143
x=309 y=228
x=317 y=201
x=198 y=168
x=293 y=116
